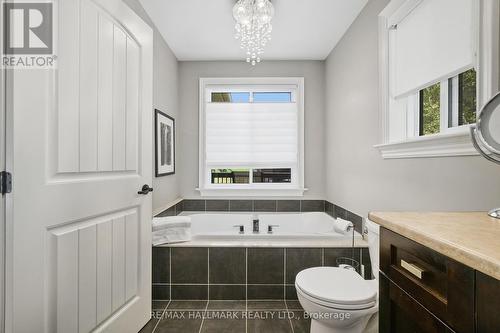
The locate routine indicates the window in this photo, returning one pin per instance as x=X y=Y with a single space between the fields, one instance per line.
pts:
x=230 y=176
x=430 y=106
x=231 y=97
x=251 y=136
x=272 y=97
x=272 y=175
x=467 y=103
x=430 y=91
x=448 y=104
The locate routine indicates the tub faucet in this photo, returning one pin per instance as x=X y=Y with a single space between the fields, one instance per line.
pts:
x=255 y=221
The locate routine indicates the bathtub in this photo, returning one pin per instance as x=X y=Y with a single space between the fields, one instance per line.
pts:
x=314 y=229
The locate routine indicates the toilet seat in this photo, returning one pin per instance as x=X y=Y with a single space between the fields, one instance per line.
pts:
x=336 y=288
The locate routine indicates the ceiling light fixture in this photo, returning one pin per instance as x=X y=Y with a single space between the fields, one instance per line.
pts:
x=253 y=26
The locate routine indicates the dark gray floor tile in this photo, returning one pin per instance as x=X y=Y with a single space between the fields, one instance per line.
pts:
x=171 y=324
x=161 y=264
x=193 y=205
x=293 y=305
x=264 y=205
x=227 y=292
x=290 y=292
x=227 y=265
x=227 y=305
x=265 y=265
x=241 y=205
x=189 y=292
x=288 y=206
x=217 y=205
x=187 y=305
x=298 y=259
x=266 y=305
x=265 y=292
x=234 y=322
x=161 y=292
x=278 y=324
x=159 y=305
x=312 y=206
x=149 y=327
x=300 y=323
x=189 y=265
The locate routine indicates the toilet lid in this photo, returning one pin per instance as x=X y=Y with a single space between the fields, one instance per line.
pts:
x=336 y=285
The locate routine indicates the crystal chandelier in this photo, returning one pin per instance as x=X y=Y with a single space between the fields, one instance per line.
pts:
x=253 y=26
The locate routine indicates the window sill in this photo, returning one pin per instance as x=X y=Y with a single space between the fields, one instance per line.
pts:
x=440 y=145
x=246 y=192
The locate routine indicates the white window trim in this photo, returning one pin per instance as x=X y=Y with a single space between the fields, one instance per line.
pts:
x=271 y=190
x=454 y=141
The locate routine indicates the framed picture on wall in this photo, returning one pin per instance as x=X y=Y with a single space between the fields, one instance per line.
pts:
x=165 y=144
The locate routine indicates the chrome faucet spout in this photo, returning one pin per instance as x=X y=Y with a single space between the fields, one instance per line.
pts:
x=256 y=228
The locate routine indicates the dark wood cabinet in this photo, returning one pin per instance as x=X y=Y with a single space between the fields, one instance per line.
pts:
x=487 y=303
x=443 y=286
x=400 y=313
x=423 y=291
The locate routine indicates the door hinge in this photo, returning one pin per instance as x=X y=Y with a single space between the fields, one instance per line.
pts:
x=5 y=182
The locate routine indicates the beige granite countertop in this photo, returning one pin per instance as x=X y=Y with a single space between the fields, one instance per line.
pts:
x=472 y=238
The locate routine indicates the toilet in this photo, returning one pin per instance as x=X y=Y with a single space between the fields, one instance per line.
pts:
x=338 y=299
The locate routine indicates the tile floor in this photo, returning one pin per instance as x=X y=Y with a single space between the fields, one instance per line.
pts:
x=227 y=316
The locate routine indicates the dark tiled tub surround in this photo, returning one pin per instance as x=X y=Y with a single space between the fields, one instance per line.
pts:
x=264 y=206
x=237 y=273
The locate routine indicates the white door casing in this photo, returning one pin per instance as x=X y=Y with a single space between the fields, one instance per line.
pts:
x=79 y=234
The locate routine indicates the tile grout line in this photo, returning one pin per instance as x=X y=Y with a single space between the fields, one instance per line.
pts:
x=162 y=315
x=288 y=315
x=203 y=316
x=284 y=274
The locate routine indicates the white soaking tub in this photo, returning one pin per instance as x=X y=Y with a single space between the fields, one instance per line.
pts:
x=314 y=229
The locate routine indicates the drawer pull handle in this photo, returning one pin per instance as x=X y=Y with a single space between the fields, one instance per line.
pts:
x=415 y=270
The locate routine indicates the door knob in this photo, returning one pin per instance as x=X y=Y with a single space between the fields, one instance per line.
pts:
x=145 y=190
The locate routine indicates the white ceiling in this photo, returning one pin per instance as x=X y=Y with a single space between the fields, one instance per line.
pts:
x=204 y=29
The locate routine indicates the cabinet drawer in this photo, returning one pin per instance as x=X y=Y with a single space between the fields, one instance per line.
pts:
x=442 y=285
x=399 y=313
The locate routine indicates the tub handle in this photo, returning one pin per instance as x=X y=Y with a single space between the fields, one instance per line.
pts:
x=270 y=228
x=241 y=226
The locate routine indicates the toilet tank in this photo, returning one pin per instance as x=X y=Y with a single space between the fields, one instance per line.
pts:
x=374 y=245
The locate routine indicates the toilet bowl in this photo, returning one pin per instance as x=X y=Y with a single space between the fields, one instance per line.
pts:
x=339 y=300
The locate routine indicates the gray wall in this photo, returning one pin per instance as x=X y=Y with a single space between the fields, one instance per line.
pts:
x=165 y=98
x=357 y=177
x=312 y=71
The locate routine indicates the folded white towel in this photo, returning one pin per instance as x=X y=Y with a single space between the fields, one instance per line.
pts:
x=171 y=229
x=173 y=235
x=160 y=223
x=343 y=226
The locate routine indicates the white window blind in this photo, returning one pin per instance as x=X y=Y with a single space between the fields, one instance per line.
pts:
x=251 y=135
x=434 y=41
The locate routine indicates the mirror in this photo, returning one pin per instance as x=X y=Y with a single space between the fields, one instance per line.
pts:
x=486 y=135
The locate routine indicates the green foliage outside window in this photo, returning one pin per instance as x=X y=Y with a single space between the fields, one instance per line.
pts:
x=430 y=104
x=467 y=97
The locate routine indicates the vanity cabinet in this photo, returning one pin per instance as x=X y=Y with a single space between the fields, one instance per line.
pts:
x=424 y=291
x=400 y=313
x=487 y=303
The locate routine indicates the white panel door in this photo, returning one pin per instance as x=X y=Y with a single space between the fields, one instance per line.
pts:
x=79 y=250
